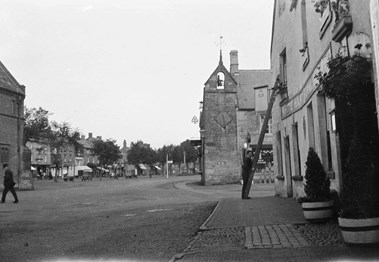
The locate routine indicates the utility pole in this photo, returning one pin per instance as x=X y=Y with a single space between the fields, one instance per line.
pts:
x=262 y=135
x=167 y=164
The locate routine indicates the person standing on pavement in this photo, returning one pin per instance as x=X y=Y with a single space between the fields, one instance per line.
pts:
x=8 y=184
x=246 y=171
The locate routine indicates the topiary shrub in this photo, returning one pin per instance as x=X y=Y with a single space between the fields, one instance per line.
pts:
x=317 y=184
x=359 y=197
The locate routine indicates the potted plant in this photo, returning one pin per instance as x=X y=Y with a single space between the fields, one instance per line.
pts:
x=317 y=205
x=359 y=215
x=349 y=83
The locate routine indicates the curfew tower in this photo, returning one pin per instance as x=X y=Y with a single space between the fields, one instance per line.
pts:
x=221 y=163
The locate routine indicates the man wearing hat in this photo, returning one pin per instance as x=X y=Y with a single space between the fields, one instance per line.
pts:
x=246 y=171
x=8 y=184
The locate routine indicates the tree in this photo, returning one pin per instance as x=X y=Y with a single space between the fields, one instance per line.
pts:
x=37 y=124
x=163 y=152
x=191 y=152
x=107 y=151
x=141 y=153
x=62 y=136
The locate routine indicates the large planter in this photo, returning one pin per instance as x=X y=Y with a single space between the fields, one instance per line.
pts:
x=317 y=211
x=359 y=231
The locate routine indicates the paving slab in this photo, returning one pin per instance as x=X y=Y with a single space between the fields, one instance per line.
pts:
x=285 y=254
x=233 y=212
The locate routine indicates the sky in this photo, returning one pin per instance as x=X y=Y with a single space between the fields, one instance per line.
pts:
x=129 y=70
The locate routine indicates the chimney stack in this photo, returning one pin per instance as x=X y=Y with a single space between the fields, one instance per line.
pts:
x=233 y=62
x=98 y=137
x=83 y=137
x=124 y=144
x=89 y=135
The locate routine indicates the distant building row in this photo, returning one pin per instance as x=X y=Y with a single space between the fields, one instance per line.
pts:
x=37 y=155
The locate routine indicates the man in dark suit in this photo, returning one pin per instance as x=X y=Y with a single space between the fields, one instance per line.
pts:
x=8 y=184
x=246 y=171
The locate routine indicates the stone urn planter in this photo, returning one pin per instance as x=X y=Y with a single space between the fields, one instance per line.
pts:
x=318 y=211
x=360 y=231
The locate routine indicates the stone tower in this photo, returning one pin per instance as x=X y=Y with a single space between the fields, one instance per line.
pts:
x=221 y=163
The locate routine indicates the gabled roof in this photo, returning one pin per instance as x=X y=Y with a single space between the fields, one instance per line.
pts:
x=7 y=81
x=248 y=81
x=221 y=68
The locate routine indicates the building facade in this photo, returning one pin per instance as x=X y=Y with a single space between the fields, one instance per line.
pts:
x=305 y=36
x=234 y=106
x=12 y=151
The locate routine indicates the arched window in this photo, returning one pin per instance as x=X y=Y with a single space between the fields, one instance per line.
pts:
x=220 y=80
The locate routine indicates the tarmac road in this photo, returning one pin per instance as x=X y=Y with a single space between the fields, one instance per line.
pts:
x=130 y=220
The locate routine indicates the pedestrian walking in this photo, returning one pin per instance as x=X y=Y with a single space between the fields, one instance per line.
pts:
x=8 y=184
x=246 y=171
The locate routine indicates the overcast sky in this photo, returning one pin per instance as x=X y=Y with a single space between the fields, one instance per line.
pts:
x=132 y=70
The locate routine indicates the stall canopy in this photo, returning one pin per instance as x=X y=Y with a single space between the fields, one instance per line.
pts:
x=84 y=168
x=157 y=167
x=142 y=166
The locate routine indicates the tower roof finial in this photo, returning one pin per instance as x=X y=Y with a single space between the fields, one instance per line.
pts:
x=221 y=42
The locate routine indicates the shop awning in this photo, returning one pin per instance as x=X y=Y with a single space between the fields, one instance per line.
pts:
x=157 y=167
x=142 y=166
x=84 y=168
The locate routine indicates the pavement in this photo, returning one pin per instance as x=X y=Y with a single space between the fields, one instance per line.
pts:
x=267 y=228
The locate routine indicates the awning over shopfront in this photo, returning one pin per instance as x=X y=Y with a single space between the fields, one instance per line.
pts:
x=157 y=167
x=103 y=169
x=84 y=168
x=142 y=166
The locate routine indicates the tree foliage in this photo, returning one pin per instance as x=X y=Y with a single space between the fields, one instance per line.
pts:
x=348 y=78
x=141 y=153
x=107 y=151
x=163 y=152
x=37 y=124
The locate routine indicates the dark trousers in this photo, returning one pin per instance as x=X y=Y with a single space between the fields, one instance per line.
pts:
x=245 y=178
x=5 y=191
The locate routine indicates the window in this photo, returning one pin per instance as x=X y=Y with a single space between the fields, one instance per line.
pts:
x=220 y=80
x=333 y=121
x=305 y=49
x=13 y=107
x=283 y=67
x=269 y=124
x=4 y=157
x=304 y=23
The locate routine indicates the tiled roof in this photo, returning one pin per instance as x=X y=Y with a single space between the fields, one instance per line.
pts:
x=7 y=81
x=248 y=80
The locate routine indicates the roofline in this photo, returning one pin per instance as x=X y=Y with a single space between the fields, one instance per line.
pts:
x=254 y=70
x=272 y=30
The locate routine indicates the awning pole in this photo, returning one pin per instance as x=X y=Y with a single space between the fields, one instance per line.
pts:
x=167 y=164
